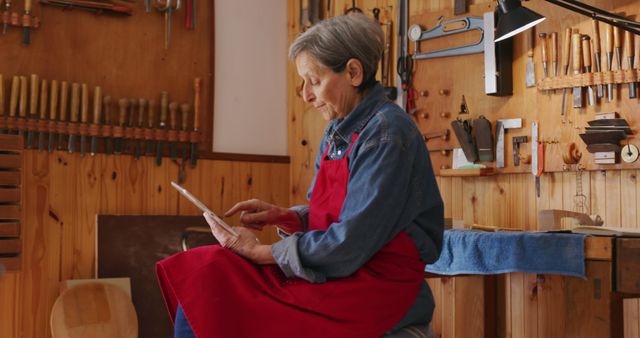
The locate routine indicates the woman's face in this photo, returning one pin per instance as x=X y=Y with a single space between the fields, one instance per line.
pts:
x=333 y=94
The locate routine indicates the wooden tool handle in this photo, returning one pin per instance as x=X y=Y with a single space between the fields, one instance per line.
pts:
x=123 y=104
x=554 y=47
x=53 y=104
x=106 y=109
x=636 y=47
x=566 y=48
x=529 y=37
x=164 y=103
x=616 y=37
x=577 y=53
x=97 y=104
x=27 y=6
x=185 y=109
x=628 y=44
x=33 y=102
x=133 y=105
x=22 y=109
x=596 y=36
x=197 y=84
x=586 y=50
x=142 y=106
x=64 y=99
x=608 y=39
x=44 y=96
x=543 y=45
x=1 y=95
x=84 y=116
x=15 y=93
x=173 y=114
x=151 y=114
x=75 y=98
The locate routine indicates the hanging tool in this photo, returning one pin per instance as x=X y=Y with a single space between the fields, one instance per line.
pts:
x=576 y=48
x=84 y=116
x=196 y=120
x=129 y=143
x=75 y=111
x=566 y=53
x=64 y=100
x=501 y=127
x=53 y=114
x=164 y=105
x=586 y=56
x=608 y=45
x=173 y=127
x=106 y=111
x=629 y=52
x=26 y=23
x=22 y=108
x=33 y=107
x=96 y=6
x=168 y=10
x=517 y=140
x=530 y=77
x=543 y=53
x=535 y=160
x=617 y=46
x=123 y=105
x=13 y=100
x=151 y=114
x=142 y=106
x=6 y=16
x=391 y=92
x=460 y=25
x=97 y=118
x=147 y=6
x=554 y=53
x=185 y=110
x=596 y=53
x=44 y=93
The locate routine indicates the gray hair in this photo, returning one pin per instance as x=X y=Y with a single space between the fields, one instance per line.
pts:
x=335 y=41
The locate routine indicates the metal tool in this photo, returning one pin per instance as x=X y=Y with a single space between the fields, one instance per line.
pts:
x=402 y=50
x=554 y=53
x=6 y=16
x=84 y=116
x=543 y=53
x=123 y=105
x=501 y=126
x=142 y=106
x=26 y=18
x=517 y=140
x=596 y=53
x=167 y=9
x=22 y=108
x=196 y=119
x=97 y=114
x=15 y=94
x=576 y=48
x=106 y=112
x=53 y=113
x=173 y=125
x=530 y=77
x=185 y=111
x=498 y=60
x=608 y=45
x=129 y=143
x=147 y=6
x=75 y=112
x=586 y=56
x=64 y=99
x=460 y=25
x=629 y=52
x=566 y=53
x=537 y=154
x=33 y=106
x=151 y=115
x=44 y=97
x=164 y=106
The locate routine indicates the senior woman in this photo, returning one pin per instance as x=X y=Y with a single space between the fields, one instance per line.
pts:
x=351 y=263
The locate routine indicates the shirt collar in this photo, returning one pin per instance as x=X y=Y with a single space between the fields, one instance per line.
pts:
x=342 y=129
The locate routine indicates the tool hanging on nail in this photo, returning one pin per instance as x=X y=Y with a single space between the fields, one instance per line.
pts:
x=596 y=53
x=26 y=23
x=566 y=56
x=608 y=45
x=6 y=16
x=586 y=56
x=543 y=53
x=446 y=28
x=576 y=46
x=629 y=52
x=530 y=77
x=554 y=53
x=165 y=7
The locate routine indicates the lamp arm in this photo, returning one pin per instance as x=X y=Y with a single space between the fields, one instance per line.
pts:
x=598 y=14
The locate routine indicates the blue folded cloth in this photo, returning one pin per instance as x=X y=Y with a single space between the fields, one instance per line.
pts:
x=479 y=252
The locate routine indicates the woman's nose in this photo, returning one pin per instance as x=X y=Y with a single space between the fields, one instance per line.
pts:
x=307 y=94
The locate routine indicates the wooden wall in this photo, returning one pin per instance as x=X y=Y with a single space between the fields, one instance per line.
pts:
x=63 y=195
x=530 y=305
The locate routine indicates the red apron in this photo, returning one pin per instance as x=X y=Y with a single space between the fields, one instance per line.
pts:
x=224 y=295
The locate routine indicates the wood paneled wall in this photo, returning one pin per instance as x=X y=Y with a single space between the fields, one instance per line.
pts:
x=529 y=305
x=63 y=195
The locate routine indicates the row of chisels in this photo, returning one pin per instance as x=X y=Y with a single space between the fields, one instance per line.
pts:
x=57 y=114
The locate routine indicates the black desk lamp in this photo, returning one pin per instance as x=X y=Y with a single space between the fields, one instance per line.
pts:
x=513 y=19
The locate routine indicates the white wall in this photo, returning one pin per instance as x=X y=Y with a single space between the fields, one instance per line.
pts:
x=250 y=108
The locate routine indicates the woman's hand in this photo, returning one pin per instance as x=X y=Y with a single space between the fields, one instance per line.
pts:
x=246 y=244
x=256 y=214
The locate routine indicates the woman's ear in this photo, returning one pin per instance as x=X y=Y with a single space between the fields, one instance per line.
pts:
x=355 y=72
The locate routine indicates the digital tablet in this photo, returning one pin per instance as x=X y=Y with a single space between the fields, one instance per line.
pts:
x=184 y=192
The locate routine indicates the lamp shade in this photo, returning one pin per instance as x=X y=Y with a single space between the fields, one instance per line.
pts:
x=514 y=19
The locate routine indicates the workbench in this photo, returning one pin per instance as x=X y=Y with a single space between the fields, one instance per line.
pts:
x=594 y=307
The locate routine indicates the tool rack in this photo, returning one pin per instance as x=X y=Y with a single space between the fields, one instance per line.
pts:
x=590 y=79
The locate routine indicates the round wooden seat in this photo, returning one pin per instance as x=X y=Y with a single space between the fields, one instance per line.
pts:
x=96 y=310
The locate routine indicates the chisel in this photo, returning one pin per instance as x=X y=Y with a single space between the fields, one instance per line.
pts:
x=73 y=118
x=22 y=108
x=554 y=53
x=6 y=14
x=26 y=30
x=33 y=106
x=106 y=111
x=185 y=111
x=196 y=120
x=586 y=56
x=577 y=68
x=566 y=53
x=44 y=97
x=629 y=52
x=2 y=131
x=173 y=126
x=164 y=103
x=133 y=105
x=543 y=56
x=608 y=47
x=53 y=113
x=530 y=78
x=123 y=105
x=13 y=100
x=64 y=100
x=142 y=105
x=151 y=115
x=84 y=117
x=97 y=112
x=596 y=53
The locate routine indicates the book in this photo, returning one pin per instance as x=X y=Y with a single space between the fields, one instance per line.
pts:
x=606 y=231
